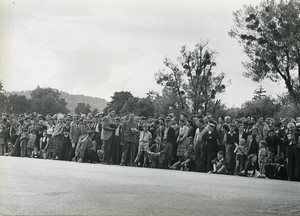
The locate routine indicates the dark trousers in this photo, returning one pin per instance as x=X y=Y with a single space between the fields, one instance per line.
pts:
x=18 y=147
x=293 y=164
x=90 y=156
x=117 y=150
x=113 y=151
x=65 y=149
x=174 y=153
x=169 y=158
x=211 y=155
x=129 y=148
x=57 y=141
x=197 y=154
x=107 y=149
x=230 y=157
x=97 y=138
x=71 y=154
x=203 y=160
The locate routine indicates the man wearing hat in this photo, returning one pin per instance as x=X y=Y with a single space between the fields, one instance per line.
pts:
x=169 y=139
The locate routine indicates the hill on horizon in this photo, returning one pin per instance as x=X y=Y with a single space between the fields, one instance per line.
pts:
x=72 y=100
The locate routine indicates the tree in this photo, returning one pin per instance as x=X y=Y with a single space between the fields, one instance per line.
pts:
x=17 y=104
x=83 y=108
x=144 y=107
x=117 y=101
x=166 y=103
x=270 y=36
x=259 y=93
x=285 y=108
x=260 y=107
x=192 y=80
x=44 y=100
x=2 y=98
x=129 y=106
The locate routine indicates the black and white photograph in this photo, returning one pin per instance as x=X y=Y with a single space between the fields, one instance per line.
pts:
x=150 y=107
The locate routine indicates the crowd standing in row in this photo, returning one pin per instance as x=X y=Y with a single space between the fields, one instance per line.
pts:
x=246 y=147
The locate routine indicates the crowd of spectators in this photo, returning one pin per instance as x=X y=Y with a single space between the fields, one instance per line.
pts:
x=257 y=147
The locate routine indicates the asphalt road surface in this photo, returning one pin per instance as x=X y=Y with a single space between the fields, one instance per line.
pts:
x=47 y=187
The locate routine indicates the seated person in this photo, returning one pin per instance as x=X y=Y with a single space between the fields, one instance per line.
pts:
x=157 y=153
x=276 y=166
x=251 y=167
x=35 y=153
x=185 y=164
x=219 y=164
x=87 y=149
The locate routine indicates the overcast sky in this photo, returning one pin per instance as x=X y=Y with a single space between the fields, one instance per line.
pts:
x=98 y=47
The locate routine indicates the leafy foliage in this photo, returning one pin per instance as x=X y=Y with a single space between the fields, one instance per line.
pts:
x=270 y=36
x=17 y=104
x=125 y=103
x=82 y=108
x=191 y=80
x=2 y=98
x=44 y=100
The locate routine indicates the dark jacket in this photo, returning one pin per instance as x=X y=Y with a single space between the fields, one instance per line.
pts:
x=128 y=134
x=211 y=140
x=171 y=136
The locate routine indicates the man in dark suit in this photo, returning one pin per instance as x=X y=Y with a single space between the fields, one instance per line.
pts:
x=169 y=139
x=108 y=128
x=211 y=145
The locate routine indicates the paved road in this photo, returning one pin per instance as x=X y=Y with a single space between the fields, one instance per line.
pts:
x=44 y=187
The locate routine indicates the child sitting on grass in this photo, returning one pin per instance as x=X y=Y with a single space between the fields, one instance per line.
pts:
x=186 y=163
x=251 y=168
x=219 y=164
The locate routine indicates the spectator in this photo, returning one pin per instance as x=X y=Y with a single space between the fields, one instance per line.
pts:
x=219 y=164
x=210 y=146
x=186 y=163
x=43 y=144
x=253 y=142
x=23 y=142
x=262 y=157
x=231 y=142
x=241 y=156
x=130 y=132
x=169 y=139
x=57 y=138
x=182 y=140
x=251 y=167
x=144 y=141
x=157 y=153
x=117 y=153
x=107 y=134
x=273 y=142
